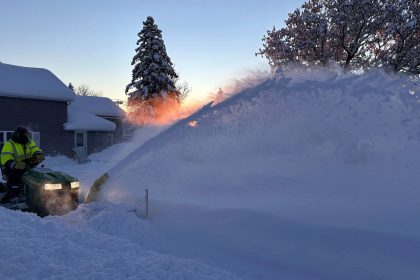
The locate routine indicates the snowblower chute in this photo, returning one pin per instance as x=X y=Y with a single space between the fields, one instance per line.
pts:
x=47 y=192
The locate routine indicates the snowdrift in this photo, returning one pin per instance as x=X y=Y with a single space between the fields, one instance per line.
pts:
x=50 y=249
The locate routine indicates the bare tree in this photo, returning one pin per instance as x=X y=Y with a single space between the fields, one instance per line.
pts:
x=357 y=34
x=85 y=90
x=353 y=28
x=182 y=88
x=278 y=49
x=398 y=44
x=306 y=39
x=309 y=26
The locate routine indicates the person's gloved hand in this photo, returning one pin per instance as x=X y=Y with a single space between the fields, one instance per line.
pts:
x=39 y=158
x=20 y=165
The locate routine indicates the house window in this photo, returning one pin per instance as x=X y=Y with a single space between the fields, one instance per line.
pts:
x=36 y=136
x=80 y=140
x=2 y=137
x=110 y=139
x=6 y=135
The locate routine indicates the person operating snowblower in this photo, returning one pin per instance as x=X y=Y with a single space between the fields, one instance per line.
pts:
x=18 y=155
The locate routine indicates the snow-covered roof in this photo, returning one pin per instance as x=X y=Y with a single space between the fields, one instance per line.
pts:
x=80 y=119
x=87 y=112
x=100 y=106
x=33 y=83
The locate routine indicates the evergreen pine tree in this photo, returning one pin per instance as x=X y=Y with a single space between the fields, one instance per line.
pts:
x=153 y=74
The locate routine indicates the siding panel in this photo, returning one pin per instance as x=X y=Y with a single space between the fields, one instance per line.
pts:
x=45 y=116
x=97 y=141
x=118 y=133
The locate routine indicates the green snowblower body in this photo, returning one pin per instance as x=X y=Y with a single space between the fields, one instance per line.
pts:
x=48 y=192
x=51 y=192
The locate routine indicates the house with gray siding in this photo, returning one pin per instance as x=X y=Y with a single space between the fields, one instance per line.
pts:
x=61 y=122
x=97 y=123
x=37 y=99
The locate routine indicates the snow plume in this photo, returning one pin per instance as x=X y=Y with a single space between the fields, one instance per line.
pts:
x=160 y=112
x=249 y=78
x=321 y=115
x=307 y=109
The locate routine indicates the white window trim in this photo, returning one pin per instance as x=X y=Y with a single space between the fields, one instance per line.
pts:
x=4 y=138
x=4 y=133
x=85 y=138
x=110 y=139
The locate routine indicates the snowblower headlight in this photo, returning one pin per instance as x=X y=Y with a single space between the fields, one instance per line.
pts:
x=74 y=185
x=52 y=187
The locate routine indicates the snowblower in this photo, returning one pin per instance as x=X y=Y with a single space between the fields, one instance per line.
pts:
x=45 y=192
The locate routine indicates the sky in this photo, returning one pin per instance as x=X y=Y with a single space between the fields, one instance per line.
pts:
x=92 y=42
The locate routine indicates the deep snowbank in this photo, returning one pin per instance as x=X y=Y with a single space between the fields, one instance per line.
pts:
x=32 y=248
x=257 y=245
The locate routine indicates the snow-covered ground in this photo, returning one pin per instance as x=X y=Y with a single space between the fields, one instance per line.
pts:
x=313 y=175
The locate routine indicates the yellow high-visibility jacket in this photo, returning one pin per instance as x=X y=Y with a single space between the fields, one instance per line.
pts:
x=13 y=152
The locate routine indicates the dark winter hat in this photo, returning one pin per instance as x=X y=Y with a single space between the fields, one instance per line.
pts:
x=21 y=135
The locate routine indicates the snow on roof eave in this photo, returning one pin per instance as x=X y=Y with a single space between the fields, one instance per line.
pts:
x=112 y=117
x=75 y=127
x=34 y=96
x=78 y=119
x=99 y=106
